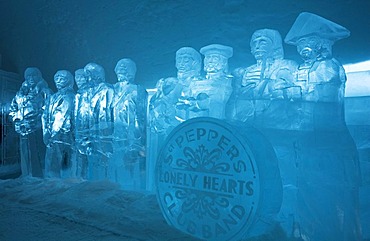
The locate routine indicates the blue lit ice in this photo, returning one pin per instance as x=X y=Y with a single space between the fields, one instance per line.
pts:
x=58 y=128
x=230 y=154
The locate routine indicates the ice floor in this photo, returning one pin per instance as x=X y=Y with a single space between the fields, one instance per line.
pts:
x=34 y=209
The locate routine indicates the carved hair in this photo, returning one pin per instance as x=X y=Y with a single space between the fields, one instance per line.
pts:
x=275 y=38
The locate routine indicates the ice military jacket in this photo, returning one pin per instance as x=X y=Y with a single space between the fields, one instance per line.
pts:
x=58 y=117
x=27 y=107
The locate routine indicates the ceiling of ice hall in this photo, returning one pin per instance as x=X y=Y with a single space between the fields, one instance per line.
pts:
x=56 y=34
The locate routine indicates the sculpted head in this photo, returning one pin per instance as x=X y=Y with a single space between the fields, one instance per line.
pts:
x=32 y=76
x=63 y=79
x=94 y=73
x=314 y=36
x=216 y=58
x=188 y=62
x=80 y=78
x=125 y=70
x=266 y=43
x=309 y=47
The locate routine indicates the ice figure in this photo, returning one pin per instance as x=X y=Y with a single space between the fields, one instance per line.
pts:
x=163 y=114
x=210 y=95
x=172 y=92
x=100 y=124
x=129 y=108
x=26 y=110
x=83 y=117
x=271 y=77
x=80 y=78
x=58 y=127
x=320 y=76
x=169 y=106
x=189 y=65
x=317 y=157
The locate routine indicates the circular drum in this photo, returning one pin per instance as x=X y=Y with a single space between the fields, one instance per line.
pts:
x=218 y=181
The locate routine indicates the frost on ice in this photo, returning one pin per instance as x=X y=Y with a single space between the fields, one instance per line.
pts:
x=129 y=106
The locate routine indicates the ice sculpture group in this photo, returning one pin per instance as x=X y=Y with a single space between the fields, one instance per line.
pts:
x=100 y=132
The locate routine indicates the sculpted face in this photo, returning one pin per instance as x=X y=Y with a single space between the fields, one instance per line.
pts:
x=125 y=70
x=184 y=62
x=80 y=78
x=261 y=47
x=32 y=77
x=309 y=47
x=94 y=73
x=61 y=79
x=125 y=74
x=214 y=63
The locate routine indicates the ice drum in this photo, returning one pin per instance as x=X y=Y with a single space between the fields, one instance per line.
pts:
x=218 y=180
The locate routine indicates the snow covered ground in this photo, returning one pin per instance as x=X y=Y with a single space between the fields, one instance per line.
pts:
x=36 y=209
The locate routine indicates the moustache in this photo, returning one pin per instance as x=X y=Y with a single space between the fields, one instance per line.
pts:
x=306 y=51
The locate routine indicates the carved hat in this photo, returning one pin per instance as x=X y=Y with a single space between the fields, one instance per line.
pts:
x=308 y=24
x=217 y=49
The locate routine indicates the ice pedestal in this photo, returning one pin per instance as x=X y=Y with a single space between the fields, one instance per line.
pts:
x=319 y=167
x=32 y=151
x=127 y=165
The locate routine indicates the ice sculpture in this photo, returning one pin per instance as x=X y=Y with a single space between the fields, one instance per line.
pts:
x=188 y=65
x=58 y=128
x=99 y=132
x=320 y=180
x=25 y=111
x=210 y=95
x=81 y=123
x=80 y=78
x=169 y=106
x=218 y=181
x=129 y=109
x=173 y=93
x=83 y=117
x=320 y=76
x=270 y=78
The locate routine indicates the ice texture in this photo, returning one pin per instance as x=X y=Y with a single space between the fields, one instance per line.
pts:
x=129 y=105
x=171 y=105
x=94 y=122
x=58 y=128
x=101 y=123
x=320 y=76
x=25 y=111
x=208 y=96
x=270 y=78
x=301 y=114
x=327 y=177
x=83 y=115
x=296 y=108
